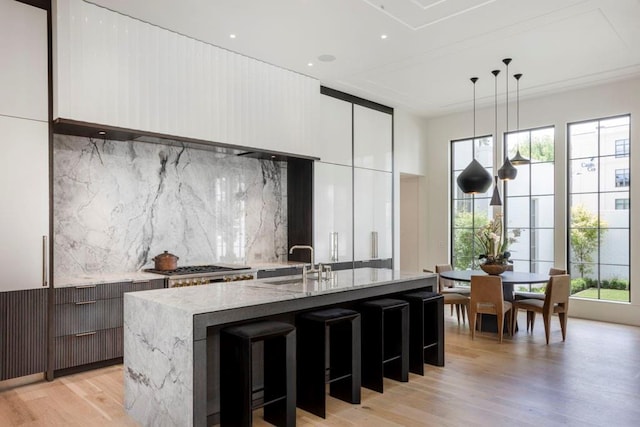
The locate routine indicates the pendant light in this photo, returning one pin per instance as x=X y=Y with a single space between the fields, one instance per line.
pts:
x=495 y=199
x=474 y=179
x=506 y=172
x=518 y=159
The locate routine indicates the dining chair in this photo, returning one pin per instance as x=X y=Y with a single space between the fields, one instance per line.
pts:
x=531 y=315
x=459 y=300
x=487 y=297
x=556 y=301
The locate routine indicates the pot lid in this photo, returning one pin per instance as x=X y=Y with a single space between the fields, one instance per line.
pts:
x=165 y=255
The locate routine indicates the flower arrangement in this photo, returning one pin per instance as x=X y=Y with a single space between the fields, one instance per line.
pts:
x=491 y=240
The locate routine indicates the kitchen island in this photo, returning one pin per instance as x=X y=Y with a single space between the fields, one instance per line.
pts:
x=171 y=336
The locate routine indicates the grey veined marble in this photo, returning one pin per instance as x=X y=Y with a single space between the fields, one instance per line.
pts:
x=117 y=204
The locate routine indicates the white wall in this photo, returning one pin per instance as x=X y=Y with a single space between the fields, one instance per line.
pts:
x=612 y=99
x=410 y=160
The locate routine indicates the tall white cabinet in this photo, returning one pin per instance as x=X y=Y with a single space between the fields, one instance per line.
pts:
x=24 y=192
x=353 y=183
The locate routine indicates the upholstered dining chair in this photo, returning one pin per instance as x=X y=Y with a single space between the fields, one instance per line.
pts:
x=556 y=301
x=487 y=297
x=460 y=301
x=519 y=295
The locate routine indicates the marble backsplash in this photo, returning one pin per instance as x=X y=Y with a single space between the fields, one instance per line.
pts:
x=117 y=204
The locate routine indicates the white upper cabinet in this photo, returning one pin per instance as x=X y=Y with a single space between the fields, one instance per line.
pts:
x=24 y=141
x=114 y=70
x=23 y=49
x=372 y=212
x=372 y=139
x=335 y=133
x=332 y=213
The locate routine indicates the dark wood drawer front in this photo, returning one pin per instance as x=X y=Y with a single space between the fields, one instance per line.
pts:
x=88 y=347
x=88 y=316
x=23 y=332
x=89 y=292
x=144 y=286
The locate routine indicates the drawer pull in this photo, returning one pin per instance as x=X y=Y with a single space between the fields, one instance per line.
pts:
x=85 y=334
x=140 y=282
x=85 y=286
x=85 y=302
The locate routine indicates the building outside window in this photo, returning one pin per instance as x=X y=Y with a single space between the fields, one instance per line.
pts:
x=622 y=147
x=622 y=204
x=529 y=200
x=468 y=212
x=599 y=209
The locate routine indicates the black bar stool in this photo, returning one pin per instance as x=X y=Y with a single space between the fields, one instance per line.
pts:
x=426 y=331
x=385 y=342
x=328 y=352
x=236 y=365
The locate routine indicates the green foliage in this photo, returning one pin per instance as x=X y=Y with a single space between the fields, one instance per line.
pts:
x=540 y=150
x=582 y=283
x=463 y=235
x=584 y=237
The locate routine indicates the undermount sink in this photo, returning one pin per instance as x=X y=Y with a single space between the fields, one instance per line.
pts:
x=288 y=281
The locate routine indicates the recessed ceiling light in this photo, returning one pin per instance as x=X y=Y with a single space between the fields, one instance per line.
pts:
x=326 y=58
x=310 y=64
x=232 y=36
x=383 y=36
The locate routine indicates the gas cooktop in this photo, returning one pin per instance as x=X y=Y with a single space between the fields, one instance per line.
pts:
x=199 y=269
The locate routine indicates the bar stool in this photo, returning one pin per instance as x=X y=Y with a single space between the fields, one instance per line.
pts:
x=328 y=352
x=426 y=330
x=385 y=342
x=236 y=365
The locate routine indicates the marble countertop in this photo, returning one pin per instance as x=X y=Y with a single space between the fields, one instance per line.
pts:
x=229 y=295
x=102 y=278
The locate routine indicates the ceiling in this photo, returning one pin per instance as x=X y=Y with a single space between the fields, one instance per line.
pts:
x=432 y=47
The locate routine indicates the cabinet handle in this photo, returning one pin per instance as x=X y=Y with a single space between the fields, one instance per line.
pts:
x=139 y=282
x=374 y=244
x=45 y=263
x=85 y=286
x=85 y=302
x=85 y=334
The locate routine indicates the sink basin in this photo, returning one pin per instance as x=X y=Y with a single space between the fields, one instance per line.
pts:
x=288 y=281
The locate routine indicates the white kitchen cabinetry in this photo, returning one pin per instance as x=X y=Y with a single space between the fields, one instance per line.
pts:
x=24 y=140
x=372 y=210
x=372 y=139
x=332 y=213
x=335 y=133
x=115 y=70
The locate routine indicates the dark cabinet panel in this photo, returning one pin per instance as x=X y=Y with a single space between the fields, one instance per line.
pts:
x=23 y=332
x=88 y=347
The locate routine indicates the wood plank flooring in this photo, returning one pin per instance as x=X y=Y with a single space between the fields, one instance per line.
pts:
x=593 y=379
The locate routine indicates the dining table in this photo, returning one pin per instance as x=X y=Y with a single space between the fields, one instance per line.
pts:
x=509 y=280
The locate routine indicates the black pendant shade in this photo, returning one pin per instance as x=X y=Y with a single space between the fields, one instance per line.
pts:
x=507 y=172
x=495 y=199
x=474 y=179
x=518 y=159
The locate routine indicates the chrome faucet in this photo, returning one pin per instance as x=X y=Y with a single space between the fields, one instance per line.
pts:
x=313 y=268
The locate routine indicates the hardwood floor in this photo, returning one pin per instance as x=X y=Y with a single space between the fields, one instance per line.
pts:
x=593 y=379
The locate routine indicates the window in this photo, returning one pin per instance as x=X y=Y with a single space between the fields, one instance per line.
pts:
x=622 y=147
x=529 y=200
x=468 y=212
x=622 y=177
x=599 y=209
x=622 y=204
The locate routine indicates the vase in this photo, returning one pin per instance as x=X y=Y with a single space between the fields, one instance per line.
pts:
x=493 y=269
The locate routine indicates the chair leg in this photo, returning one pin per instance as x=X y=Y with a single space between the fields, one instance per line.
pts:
x=472 y=323
x=463 y=307
x=500 y=318
x=452 y=309
x=563 y=324
x=547 y=326
x=457 y=312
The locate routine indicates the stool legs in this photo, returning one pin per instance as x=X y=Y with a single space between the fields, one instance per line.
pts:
x=237 y=380
x=385 y=333
x=279 y=363
x=347 y=389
